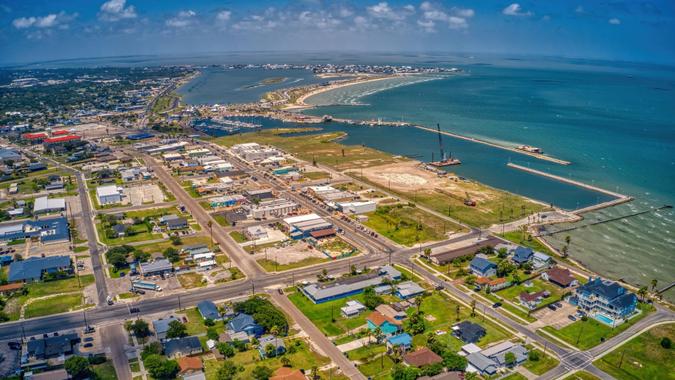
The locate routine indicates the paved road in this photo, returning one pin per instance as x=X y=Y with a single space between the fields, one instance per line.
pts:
x=241 y=259
x=115 y=337
x=316 y=336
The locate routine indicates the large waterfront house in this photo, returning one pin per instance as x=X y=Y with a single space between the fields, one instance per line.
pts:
x=606 y=300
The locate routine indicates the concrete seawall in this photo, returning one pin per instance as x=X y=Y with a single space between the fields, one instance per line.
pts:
x=619 y=198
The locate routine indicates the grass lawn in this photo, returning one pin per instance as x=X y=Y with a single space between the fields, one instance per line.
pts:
x=514 y=376
x=511 y=293
x=529 y=241
x=321 y=147
x=373 y=360
x=134 y=366
x=80 y=249
x=272 y=266
x=53 y=305
x=191 y=280
x=541 y=366
x=161 y=246
x=238 y=236
x=643 y=357
x=591 y=331
x=195 y=324
x=42 y=289
x=407 y=225
x=141 y=234
x=315 y=175
x=302 y=358
x=219 y=218
x=320 y=314
x=105 y=371
x=581 y=375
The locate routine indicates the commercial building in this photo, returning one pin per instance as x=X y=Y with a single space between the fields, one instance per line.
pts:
x=302 y=226
x=227 y=201
x=360 y=207
x=158 y=267
x=319 y=293
x=107 y=195
x=273 y=208
x=447 y=253
x=33 y=268
x=47 y=231
x=45 y=205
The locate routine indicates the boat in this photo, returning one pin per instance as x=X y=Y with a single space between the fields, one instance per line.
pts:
x=449 y=161
x=530 y=149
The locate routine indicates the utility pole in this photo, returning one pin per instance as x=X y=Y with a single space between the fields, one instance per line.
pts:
x=179 y=308
x=621 y=360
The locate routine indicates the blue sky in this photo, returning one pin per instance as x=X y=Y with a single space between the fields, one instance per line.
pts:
x=632 y=30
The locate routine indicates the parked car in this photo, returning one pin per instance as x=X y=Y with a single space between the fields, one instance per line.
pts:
x=572 y=318
x=552 y=307
x=497 y=304
x=89 y=339
x=87 y=345
x=134 y=310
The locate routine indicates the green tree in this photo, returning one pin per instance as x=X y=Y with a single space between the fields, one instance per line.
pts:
x=225 y=349
x=227 y=371
x=154 y=348
x=533 y=355
x=654 y=283
x=270 y=351
x=400 y=372
x=504 y=267
x=211 y=333
x=415 y=324
x=454 y=362
x=666 y=343
x=261 y=372
x=642 y=293
x=161 y=368
x=370 y=299
x=510 y=359
x=77 y=367
x=176 y=330
x=172 y=254
x=139 y=328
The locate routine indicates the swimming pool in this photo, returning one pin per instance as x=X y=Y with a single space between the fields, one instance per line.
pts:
x=604 y=319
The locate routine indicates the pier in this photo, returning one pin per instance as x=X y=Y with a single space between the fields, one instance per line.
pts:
x=494 y=145
x=619 y=198
x=603 y=221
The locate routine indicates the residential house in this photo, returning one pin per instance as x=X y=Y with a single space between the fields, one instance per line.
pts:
x=161 y=326
x=408 y=289
x=177 y=224
x=481 y=364
x=493 y=285
x=468 y=332
x=390 y=312
x=421 y=357
x=522 y=255
x=532 y=300
x=274 y=341
x=208 y=310
x=541 y=260
x=606 y=299
x=186 y=346
x=34 y=268
x=388 y=326
x=245 y=323
x=560 y=276
x=120 y=230
x=352 y=308
x=497 y=353
x=403 y=341
x=483 y=267
x=189 y=365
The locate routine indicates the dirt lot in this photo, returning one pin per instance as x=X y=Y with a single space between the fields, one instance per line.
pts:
x=289 y=253
x=143 y=194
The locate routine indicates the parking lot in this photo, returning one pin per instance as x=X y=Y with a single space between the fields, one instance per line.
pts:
x=555 y=318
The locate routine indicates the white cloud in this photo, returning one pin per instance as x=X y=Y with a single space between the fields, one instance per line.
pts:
x=614 y=21
x=224 y=16
x=382 y=10
x=516 y=10
x=183 y=19
x=345 y=12
x=114 y=10
x=321 y=20
x=455 y=18
x=60 y=20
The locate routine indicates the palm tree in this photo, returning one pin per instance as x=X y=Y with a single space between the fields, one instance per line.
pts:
x=568 y=239
x=378 y=334
x=418 y=302
x=654 y=283
x=210 y=225
x=427 y=253
x=565 y=248
x=457 y=312
x=473 y=308
x=642 y=292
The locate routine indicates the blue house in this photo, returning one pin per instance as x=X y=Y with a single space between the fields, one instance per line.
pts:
x=606 y=300
x=276 y=342
x=34 y=268
x=246 y=323
x=521 y=255
x=208 y=310
x=483 y=267
x=388 y=325
x=401 y=340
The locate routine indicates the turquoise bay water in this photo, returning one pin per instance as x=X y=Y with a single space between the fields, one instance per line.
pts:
x=616 y=126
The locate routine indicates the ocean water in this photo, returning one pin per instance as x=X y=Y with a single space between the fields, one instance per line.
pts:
x=615 y=124
x=223 y=86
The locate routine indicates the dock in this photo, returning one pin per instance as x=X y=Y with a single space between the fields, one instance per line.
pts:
x=618 y=198
x=494 y=145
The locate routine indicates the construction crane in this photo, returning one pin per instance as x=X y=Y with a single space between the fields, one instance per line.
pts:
x=440 y=142
x=442 y=161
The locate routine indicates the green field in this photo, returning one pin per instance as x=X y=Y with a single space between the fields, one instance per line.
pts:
x=642 y=357
x=42 y=289
x=53 y=305
x=238 y=236
x=161 y=246
x=105 y=371
x=273 y=266
x=320 y=314
x=407 y=225
x=588 y=333
x=316 y=175
x=511 y=293
x=302 y=358
x=541 y=366
x=141 y=233
x=320 y=147
x=373 y=361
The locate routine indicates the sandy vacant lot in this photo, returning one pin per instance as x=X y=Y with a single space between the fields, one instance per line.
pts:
x=291 y=253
